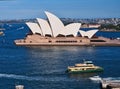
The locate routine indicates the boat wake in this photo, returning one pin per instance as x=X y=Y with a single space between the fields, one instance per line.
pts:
x=33 y=78
x=115 y=79
x=20 y=28
x=13 y=76
x=98 y=79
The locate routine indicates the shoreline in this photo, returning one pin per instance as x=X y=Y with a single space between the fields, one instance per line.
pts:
x=104 y=30
x=109 y=30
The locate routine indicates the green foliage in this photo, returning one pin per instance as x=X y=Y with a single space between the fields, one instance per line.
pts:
x=118 y=27
x=110 y=26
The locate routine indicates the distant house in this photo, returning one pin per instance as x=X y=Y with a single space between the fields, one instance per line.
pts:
x=90 y=25
x=94 y=25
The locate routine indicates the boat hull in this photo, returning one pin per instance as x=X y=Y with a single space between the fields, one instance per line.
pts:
x=86 y=71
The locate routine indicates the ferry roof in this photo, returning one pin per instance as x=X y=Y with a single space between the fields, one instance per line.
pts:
x=88 y=62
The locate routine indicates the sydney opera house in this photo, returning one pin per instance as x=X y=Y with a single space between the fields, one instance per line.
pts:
x=54 y=32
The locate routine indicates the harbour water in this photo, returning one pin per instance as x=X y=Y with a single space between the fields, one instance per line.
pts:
x=44 y=67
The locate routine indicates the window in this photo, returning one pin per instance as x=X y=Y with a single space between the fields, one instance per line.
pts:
x=50 y=41
x=48 y=35
x=38 y=33
x=74 y=41
x=97 y=41
x=24 y=41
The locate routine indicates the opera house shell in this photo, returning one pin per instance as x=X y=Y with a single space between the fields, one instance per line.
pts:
x=54 y=32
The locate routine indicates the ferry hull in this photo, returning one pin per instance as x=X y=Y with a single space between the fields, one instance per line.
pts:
x=86 y=71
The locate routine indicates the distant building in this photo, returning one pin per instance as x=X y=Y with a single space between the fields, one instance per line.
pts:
x=90 y=25
x=94 y=26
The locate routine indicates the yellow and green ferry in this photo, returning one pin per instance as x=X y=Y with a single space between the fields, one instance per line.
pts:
x=85 y=67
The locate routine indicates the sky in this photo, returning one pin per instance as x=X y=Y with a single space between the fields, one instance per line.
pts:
x=27 y=9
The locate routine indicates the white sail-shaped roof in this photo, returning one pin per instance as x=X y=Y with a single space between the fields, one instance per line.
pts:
x=89 y=33
x=83 y=33
x=56 y=24
x=72 y=28
x=45 y=27
x=34 y=27
x=55 y=27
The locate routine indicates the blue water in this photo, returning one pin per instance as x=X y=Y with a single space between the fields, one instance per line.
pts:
x=44 y=67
